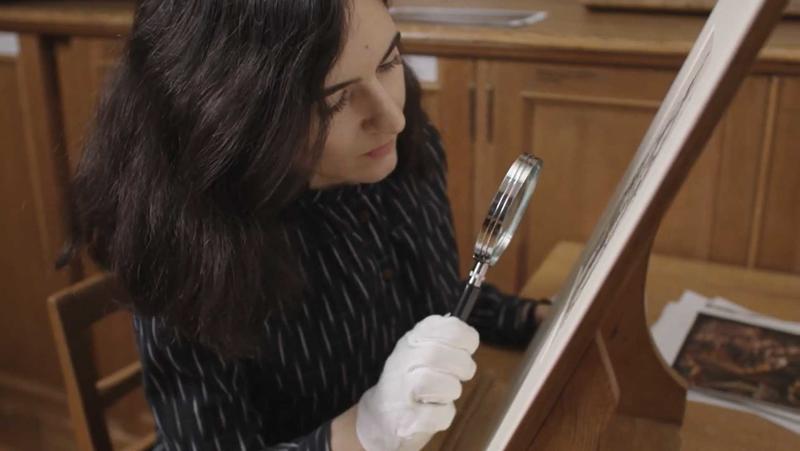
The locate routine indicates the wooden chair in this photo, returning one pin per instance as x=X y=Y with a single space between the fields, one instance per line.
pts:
x=72 y=312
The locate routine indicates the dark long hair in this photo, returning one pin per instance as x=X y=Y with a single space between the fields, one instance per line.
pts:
x=201 y=139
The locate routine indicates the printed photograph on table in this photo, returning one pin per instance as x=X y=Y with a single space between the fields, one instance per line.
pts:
x=742 y=360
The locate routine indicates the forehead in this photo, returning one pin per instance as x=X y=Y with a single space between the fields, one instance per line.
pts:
x=370 y=32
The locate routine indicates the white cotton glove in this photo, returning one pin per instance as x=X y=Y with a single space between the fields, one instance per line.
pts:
x=421 y=378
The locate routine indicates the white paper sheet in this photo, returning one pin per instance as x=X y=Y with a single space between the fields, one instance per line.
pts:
x=9 y=44
x=425 y=67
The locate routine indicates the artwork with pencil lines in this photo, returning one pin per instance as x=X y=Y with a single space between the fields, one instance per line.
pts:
x=679 y=129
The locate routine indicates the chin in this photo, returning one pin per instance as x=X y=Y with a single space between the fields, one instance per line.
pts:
x=379 y=169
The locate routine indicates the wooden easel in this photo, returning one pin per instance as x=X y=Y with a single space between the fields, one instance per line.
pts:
x=610 y=389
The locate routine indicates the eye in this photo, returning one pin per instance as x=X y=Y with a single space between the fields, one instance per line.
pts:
x=389 y=65
x=345 y=97
x=341 y=103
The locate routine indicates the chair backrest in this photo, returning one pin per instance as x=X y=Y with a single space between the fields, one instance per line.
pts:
x=72 y=312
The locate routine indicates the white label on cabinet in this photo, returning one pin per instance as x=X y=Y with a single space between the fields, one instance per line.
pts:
x=9 y=44
x=426 y=67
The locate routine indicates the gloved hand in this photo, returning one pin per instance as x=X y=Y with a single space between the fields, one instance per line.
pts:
x=414 y=396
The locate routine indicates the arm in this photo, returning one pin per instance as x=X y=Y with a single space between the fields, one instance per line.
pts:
x=504 y=319
x=201 y=402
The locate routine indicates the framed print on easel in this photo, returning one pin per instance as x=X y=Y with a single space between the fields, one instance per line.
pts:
x=593 y=363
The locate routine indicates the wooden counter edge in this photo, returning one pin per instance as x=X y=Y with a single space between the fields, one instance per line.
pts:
x=114 y=20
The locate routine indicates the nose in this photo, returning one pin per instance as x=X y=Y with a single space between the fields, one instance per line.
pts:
x=385 y=113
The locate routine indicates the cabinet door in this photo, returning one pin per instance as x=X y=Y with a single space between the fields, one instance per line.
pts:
x=450 y=102
x=84 y=63
x=777 y=244
x=31 y=231
x=586 y=124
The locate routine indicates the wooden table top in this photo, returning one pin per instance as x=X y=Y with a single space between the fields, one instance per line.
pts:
x=705 y=427
x=571 y=33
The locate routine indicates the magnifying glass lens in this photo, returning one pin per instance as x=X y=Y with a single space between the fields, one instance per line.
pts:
x=505 y=213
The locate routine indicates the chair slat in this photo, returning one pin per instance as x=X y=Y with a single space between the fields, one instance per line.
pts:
x=72 y=312
x=77 y=367
x=88 y=301
x=120 y=383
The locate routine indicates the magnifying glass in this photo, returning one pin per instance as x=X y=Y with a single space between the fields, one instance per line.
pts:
x=505 y=213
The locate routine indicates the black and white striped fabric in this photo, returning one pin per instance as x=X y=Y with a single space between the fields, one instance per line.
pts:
x=377 y=259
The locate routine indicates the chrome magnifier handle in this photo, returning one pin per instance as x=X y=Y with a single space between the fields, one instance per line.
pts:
x=505 y=213
x=471 y=290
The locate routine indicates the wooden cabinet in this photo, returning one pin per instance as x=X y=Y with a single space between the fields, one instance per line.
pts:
x=84 y=63
x=586 y=122
x=577 y=90
x=740 y=204
x=450 y=103
x=778 y=234
x=26 y=273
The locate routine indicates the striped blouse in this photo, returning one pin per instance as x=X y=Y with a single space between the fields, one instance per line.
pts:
x=378 y=258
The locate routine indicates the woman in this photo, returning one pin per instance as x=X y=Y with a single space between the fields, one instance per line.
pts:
x=263 y=181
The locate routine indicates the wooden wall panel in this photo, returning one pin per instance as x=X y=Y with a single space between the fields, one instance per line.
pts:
x=586 y=147
x=586 y=123
x=779 y=241
x=83 y=67
x=712 y=216
x=84 y=64
x=31 y=188
x=452 y=111
x=739 y=142
x=26 y=345
x=41 y=126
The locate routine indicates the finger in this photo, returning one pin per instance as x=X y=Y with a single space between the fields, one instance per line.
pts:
x=443 y=359
x=430 y=386
x=446 y=330
x=428 y=418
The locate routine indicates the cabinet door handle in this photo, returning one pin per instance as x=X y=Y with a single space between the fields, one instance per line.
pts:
x=472 y=119
x=490 y=113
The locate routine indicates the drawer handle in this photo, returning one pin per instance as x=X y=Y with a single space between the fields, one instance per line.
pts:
x=490 y=113
x=472 y=119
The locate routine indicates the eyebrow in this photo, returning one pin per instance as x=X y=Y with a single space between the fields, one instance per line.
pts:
x=330 y=90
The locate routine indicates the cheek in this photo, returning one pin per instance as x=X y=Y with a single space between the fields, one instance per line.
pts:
x=335 y=146
x=345 y=129
x=337 y=153
x=397 y=88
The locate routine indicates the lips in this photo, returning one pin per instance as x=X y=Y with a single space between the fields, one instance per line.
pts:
x=380 y=151
x=379 y=148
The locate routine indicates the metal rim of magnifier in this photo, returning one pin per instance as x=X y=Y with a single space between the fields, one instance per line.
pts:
x=495 y=235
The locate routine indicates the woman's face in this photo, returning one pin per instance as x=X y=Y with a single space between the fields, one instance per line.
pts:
x=366 y=91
